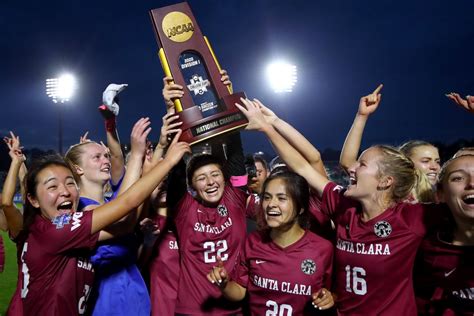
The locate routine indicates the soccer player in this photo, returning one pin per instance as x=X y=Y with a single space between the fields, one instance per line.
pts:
x=56 y=274
x=285 y=268
x=13 y=216
x=377 y=233
x=118 y=280
x=444 y=278
x=210 y=222
x=424 y=155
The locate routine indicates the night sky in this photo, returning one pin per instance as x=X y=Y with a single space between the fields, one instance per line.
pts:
x=419 y=50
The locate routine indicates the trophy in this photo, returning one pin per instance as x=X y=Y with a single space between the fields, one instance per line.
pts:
x=207 y=108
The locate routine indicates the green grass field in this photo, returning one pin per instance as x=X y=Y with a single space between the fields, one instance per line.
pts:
x=9 y=276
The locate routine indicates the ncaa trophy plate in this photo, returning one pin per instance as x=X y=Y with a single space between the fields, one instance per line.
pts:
x=207 y=108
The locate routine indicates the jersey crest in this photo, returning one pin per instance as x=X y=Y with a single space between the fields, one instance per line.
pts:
x=382 y=229
x=61 y=220
x=222 y=210
x=308 y=266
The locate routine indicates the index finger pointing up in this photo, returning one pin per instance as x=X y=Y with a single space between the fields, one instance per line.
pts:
x=376 y=91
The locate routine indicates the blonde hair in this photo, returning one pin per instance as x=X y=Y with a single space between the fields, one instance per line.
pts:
x=397 y=165
x=464 y=151
x=408 y=147
x=423 y=191
x=445 y=166
x=73 y=157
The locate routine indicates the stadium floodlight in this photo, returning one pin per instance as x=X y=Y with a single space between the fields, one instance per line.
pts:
x=281 y=76
x=61 y=89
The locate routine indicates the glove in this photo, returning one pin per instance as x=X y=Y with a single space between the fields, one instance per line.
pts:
x=109 y=97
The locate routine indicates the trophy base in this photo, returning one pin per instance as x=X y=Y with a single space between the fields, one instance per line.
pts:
x=201 y=128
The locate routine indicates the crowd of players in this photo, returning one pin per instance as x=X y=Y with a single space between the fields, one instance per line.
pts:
x=164 y=231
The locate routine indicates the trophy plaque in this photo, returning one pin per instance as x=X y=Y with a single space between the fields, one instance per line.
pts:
x=207 y=108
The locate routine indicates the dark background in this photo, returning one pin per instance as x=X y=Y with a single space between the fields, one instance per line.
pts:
x=420 y=50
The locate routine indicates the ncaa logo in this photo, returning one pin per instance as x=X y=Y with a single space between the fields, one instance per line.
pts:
x=308 y=266
x=222 y=210
x=382 y=229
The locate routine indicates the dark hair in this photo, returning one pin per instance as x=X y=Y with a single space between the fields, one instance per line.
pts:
x=31 y=182
x=259 y=158
x=297 y=189
x=199 y=161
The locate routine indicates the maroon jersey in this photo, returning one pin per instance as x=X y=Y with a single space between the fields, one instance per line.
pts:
x=205 y=233
x=56 y=278
x=281 y=281
x=320 y=223
x=444 y=277
x=374 y=259
x=164 y=272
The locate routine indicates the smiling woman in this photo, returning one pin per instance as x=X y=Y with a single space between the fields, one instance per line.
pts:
x=210 y=222
x=282 y=244
x=56 y=240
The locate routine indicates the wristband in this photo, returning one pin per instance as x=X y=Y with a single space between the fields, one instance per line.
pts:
x=110 y=124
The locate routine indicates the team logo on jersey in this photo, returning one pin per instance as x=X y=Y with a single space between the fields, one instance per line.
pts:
x=308 y=266
x=61 y=220
x=382 y=229
x=256 y=198
x=222 y=210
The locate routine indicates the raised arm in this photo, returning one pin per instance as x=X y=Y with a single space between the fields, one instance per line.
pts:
x=350 y=150
x=295 y=138
x=467 y=103
x=287 y=152
x=111 y=212
x=109 y=111
x=13 y=215
x=138 y=142
x=169 y=127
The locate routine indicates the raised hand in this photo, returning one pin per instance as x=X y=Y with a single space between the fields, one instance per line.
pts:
x=269 y=115
x=177 y=149
x=253 y=113
x=138 y=138
x=467 y=103
x=168 y=128
x=171 y=91
x=84 y=138
x=369 y=103
x=322 y=299
x=15 y=150
x=218 y=274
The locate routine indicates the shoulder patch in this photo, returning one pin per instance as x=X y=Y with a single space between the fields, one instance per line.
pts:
x=61 y=220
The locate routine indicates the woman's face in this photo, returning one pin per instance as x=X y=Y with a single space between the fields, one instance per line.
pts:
x=457 y=188
x=365 y=175
x=426 y=159
x=56 y=192
x=277 y=204
x=95 y=163
x=208 y=181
